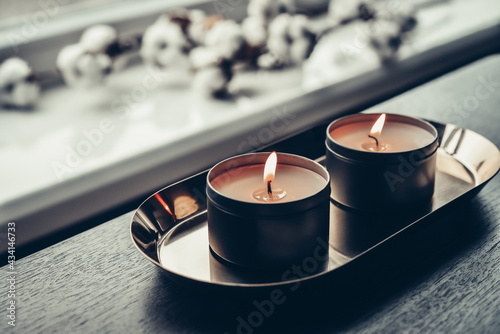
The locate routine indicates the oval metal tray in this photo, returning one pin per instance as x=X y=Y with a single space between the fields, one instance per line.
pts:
x=170 y=227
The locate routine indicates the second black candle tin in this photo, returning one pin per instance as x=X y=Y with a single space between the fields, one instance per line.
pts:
x=263 y=235
x=381 y=182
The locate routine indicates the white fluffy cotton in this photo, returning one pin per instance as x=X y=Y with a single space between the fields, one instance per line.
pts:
x=226 y=38
x=386 y=41
x=197 y=29
x=203 y=56
x=279 y=26
x=15 y=89
x=289 y=41
x=98 y=37
x=270 y=61
x=80 y=68
x=164 y=45
x=209 y=81
x=12 y=70
x=254 y=30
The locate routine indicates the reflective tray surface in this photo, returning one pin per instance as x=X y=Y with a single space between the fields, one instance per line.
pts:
x=170 y=227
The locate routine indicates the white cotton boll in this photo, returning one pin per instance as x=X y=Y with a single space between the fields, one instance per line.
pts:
x=12 y=70
x=16 y=89
x=93 y=67
x=196 y=29
x=254 y=30
x=278 y=46
x=196 y=15
x=209 y=81
x=302 y=38
x=226 y=37
x=402 y=13
x=387 y=40
x=197 y=32
x=68 y=55
x=298 y=26
x=279 y=26
x=23 y=94
x=66 y=63
x=164 y=44
x=405 y=16
x=164 y=34
x=299 y=50
x=341 y=10
x=290 y=41
x=202 y=57
x=174 y=36
x=270 y=61
x=80 y=68
x=97 y=38
x=152 y=42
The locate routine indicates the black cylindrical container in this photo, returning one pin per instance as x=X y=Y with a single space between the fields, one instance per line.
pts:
x=268 y=235
x=381 y=181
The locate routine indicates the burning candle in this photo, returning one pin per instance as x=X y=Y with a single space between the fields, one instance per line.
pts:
x=381 y=136
x=381 y=162
x=245 y=183
x=267 y=210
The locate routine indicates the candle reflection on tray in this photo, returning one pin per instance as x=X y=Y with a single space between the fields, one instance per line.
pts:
x=353 y=232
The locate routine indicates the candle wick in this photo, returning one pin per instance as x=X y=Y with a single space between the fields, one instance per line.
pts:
x=376 y=140
x=269 y=190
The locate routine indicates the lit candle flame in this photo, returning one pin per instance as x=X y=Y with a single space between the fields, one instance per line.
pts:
x=377 y=127
x=162 y=202
x=270 y=168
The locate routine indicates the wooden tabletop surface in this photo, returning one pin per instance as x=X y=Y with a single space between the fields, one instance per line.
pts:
x=97 y=282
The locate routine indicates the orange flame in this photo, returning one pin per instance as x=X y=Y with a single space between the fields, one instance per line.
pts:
x=162 y=202
x=377 y=127
x=270 y=168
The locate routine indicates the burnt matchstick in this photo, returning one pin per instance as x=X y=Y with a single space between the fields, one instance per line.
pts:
x=269 y=190
x=376 y=140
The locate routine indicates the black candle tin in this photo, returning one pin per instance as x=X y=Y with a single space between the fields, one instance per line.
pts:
x=264 y=235
x=381 y=182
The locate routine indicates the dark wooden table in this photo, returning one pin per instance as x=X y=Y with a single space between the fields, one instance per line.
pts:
x=97 y=282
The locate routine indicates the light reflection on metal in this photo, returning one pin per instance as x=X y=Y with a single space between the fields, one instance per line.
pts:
x=165 y=205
